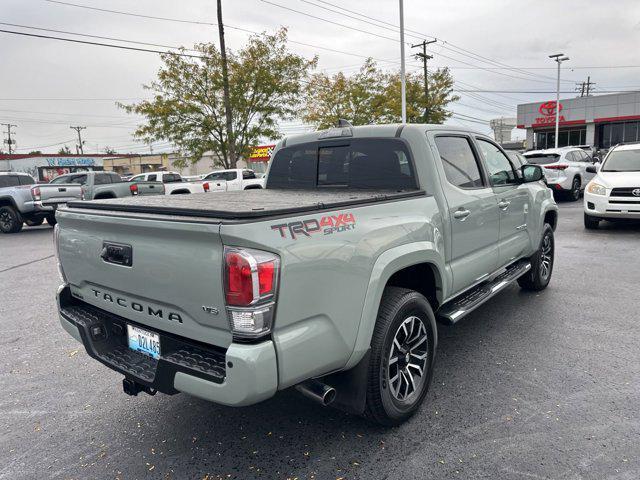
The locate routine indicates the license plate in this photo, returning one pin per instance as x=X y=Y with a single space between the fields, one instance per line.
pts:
x=144 y=341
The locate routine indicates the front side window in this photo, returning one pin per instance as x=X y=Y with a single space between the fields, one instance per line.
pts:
x=26 y=180
x=500 y=169
x=102 y=179
x=459 y=162
x=152 y=178
x=248 y=174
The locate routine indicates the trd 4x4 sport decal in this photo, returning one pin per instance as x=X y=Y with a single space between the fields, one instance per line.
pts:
x=327 y=225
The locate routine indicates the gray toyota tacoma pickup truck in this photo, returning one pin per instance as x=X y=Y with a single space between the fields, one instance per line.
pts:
x=330 y=280
x=20 y=203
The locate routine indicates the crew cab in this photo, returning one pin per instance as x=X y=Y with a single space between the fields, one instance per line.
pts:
x=330 y=279
x=174 y=184
x=614 y=193
x=565 y=169
x=236 y=179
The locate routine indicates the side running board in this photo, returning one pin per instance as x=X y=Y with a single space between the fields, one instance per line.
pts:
x=455 y=309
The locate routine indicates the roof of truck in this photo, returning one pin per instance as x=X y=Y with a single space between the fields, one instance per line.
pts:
x=386 y=130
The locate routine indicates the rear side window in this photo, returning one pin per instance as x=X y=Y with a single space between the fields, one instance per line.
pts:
x=9 y=181
x=102 y=179
x=26 y=180
x=248 y=174
x=170 y=178
x=381 y=164
x=459 y=162
x=152 y=178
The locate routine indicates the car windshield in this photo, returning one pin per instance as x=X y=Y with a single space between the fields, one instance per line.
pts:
x=622 y=161
x=542 y=158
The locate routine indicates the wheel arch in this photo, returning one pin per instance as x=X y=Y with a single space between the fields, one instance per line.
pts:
x=551 y=217
x=8 y=202
x=401 y=266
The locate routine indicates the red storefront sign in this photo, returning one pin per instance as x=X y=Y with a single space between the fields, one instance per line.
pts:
x=548 y=112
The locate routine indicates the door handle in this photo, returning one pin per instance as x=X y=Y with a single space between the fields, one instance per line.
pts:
x=504 y=204
x=461 y=214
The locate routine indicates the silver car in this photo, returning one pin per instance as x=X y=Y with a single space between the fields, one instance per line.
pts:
x=565 y=169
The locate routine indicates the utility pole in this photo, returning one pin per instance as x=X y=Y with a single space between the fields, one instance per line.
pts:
x=79 y=146
x=423 y=55
x=403 y=80
x=589 y=84
x=8 y=141
x=558 y=58
x=225 y=87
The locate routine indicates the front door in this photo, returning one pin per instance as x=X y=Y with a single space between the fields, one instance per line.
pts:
x=513 y=202
x=473 y=211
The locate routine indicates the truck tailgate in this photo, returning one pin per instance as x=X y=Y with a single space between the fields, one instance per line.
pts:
x=173 y=283
x=59 y=193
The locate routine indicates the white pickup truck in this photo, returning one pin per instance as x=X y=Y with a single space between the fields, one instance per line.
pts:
x=236 y=179
x=174 y=184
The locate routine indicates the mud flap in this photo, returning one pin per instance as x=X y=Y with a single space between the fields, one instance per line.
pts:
x=351 y=387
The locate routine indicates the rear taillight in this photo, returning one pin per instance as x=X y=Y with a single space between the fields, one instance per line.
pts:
x=134 y=188
x=205 y=185
x=556 y=167
x=56 y=249
x=251 y=283
x=36 y=194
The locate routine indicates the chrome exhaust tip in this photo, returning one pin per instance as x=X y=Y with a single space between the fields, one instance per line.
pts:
x=317 y=391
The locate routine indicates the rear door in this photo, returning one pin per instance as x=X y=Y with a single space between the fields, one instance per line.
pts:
x=512 y=199
x=473 y=211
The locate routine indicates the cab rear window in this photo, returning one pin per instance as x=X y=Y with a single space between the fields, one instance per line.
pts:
x=380 y=164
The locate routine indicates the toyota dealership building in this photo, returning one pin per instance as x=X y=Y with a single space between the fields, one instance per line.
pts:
x=600 y=121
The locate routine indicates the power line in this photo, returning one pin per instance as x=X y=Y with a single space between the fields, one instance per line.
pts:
x=85 y=42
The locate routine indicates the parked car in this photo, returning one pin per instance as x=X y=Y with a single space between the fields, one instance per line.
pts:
x=614 y=193
x=565 y=169
x=20 y=203
x=236 y=179
x=331 y=279
x=174 y=184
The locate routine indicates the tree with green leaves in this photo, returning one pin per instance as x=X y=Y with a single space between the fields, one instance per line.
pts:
x=187 y=108
x=373 y=96
x=64 y=151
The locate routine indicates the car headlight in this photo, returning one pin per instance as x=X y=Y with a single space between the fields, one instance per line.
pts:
x=596 y=189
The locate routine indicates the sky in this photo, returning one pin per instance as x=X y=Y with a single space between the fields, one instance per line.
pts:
x=496 y=49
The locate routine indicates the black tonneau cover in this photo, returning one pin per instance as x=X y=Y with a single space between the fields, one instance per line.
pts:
x=244 y=205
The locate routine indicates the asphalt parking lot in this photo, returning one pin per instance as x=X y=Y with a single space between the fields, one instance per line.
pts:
x=529 y=386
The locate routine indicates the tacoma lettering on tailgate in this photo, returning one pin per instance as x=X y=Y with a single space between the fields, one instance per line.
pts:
x=327 y=225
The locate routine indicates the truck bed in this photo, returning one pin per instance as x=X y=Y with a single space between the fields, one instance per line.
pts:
x=246 y=204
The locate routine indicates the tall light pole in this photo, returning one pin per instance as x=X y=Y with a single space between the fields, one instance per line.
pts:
x=403 y=87
x=558 y=58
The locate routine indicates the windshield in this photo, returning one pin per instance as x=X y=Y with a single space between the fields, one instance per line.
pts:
x=542 y=158
x=622 y=161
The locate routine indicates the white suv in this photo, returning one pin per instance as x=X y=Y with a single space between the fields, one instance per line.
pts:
x=565 y=169
x=614 y=193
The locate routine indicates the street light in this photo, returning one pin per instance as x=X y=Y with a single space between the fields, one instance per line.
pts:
x=403 y=87
x=558 y=58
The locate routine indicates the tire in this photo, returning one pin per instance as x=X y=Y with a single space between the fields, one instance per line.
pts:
x=34 y=222
x=390 y=402
x=591 y=223
x=539 y=276
x=574 y=193
x=51 y=219
x=10 y=220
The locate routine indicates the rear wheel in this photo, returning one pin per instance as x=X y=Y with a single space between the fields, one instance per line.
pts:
x=591 y=223
x=51 y=219
x=574 y=193
x=541 y=263
x=402 y=356
x=10 y=220
x=34 y=222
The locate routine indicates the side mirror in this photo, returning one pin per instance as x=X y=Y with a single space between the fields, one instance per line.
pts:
x=592 y=169
x=531 y=173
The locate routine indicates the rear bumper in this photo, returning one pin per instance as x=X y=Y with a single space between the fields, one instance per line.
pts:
x=604 y=206
x=240 y=375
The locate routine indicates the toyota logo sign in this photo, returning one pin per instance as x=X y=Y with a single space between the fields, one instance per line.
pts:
x=548 y=109
x=636 y=192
